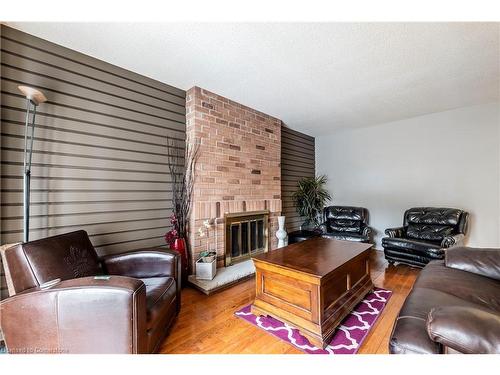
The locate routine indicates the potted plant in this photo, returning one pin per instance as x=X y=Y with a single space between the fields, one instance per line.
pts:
x=206 y=265
x=310 y=198
x=208 y=256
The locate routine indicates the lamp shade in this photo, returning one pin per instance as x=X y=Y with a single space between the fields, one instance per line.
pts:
x=32 y=94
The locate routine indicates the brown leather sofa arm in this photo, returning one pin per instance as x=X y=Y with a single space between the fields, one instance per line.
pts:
x=144 y=263
x=455 y=240
x=85 y=315
x=465 y=329
x=395 y=232
x=481 y=261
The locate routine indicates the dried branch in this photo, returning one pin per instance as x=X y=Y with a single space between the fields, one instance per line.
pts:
x=182 y=163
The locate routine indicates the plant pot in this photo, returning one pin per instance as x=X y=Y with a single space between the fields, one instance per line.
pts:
x=206 y=271
x=179 y=245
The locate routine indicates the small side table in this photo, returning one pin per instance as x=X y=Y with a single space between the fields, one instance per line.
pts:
x=302 y=235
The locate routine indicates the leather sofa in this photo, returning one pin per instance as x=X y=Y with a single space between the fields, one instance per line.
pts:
x=425 y=234
x=346 y=223
x=454 y=306
x=64 y=298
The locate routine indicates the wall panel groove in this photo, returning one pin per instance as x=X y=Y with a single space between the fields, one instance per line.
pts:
x=297 y=161
x=99 y=160
x=54 y=52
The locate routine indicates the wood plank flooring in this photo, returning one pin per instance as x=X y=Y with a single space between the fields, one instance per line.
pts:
x=206 y=324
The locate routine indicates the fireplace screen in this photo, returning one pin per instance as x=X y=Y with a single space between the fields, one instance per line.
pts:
x=246 y=235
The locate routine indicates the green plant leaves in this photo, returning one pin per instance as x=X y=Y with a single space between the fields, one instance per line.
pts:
x=310 y=197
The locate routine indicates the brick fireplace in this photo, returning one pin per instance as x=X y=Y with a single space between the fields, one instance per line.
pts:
x=238 y=170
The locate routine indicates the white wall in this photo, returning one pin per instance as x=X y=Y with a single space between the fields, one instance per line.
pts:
x=446 y=159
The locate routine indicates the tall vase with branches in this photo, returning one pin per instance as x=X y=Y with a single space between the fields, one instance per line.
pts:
x=182 y=163
x=310 y=198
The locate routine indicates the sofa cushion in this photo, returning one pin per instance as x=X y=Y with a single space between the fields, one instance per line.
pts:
x=409 y=334
x=476 y=289
x=480 y=261
x=414 y=247
x=160 y=293
x=428 y=232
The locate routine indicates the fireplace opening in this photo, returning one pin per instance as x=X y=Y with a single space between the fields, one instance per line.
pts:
x=246 y=235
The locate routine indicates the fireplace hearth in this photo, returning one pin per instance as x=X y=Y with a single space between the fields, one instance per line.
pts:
x=246 y=235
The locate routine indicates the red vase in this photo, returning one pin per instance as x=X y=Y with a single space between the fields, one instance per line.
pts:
x=179 y=245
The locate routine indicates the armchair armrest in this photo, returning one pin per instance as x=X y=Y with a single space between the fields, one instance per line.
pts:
x=323 y=228
x=481 y=261
x=395 y=232
x=453 y=240
x=85 y=315
x=465 y=329
x=144 y=263
x=366 y=231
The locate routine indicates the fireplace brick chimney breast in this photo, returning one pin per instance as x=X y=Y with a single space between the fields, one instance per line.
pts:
x=238 y=168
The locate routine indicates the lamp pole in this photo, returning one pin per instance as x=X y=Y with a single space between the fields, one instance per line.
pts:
x=33 y=98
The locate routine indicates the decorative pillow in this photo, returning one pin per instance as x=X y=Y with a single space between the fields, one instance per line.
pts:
x=428 y=232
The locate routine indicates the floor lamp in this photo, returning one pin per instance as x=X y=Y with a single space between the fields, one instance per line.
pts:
x=33 y=98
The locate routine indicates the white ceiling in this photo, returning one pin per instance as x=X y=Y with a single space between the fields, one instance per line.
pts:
x=316 y=77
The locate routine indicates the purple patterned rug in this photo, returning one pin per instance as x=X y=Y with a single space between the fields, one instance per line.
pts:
x=349 y=334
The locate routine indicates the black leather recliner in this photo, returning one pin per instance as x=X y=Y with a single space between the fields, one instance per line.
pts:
x=346 y=223
x=425 y=234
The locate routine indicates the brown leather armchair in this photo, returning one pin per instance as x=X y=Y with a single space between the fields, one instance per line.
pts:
x=65 y=299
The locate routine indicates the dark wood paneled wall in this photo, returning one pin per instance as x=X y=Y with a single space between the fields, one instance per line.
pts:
x=297 y=161
x=99 y=159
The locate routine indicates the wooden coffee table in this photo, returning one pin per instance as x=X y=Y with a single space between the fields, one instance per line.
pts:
x=312 y=285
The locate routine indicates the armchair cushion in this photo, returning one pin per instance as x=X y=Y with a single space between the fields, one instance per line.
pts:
x=465 y=329
x=160 y=293
x=344 y=225
x=433 y=216
x=481 y=261
x=346 y=236
x=155 y=262
x=428 y=232
x=410 y=246
x=71 y=256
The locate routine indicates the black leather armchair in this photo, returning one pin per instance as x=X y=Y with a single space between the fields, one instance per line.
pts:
x=425 y=234
x=346 y=223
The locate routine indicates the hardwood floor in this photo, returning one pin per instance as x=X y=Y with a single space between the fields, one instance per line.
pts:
x=206 y=324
